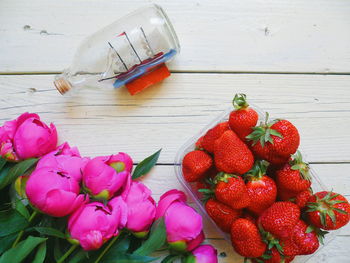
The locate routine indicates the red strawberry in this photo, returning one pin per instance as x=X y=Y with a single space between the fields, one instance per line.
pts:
x=273 y=256
x=212 y=135
x=222 y=214
x=243 y=118
x=279 y=219
x=328 y=210
x=199 y=143
x=302 y=198
x=262 y=189
x=289 y=248
x=231 y=190
x=231 y=155
x=246 y=239
x=284 y=194
x=294 y=176
x=306 y=241
x=195 y=165
x=274 y=141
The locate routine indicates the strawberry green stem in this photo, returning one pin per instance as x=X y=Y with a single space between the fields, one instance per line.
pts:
x=263 y=133
x=240 y=101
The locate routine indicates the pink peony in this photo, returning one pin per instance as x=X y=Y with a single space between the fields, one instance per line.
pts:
x=26 y=137
x=66 y=160
x=53 y=193
x=141 y=209
x=95 y=223
x=121 y=162
x=203 y=254
x=183 y=224
x=104 y=176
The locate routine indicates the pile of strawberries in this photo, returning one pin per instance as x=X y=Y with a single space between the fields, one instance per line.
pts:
x=256 y=187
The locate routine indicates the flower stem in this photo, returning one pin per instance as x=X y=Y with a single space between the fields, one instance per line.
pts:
x=107 y=248
x=72 y=248
x=22 y=232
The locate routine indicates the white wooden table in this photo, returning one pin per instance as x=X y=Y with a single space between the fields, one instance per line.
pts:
x=290 y=57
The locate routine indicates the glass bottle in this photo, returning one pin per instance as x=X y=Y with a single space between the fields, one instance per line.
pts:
x=124 y=53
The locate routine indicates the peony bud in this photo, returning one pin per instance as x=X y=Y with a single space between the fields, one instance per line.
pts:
x=203 y=254
x=26 y=137
x=141 y=209
x=53 y=193
x=102 y=180
x=183 y=224
x=94 y=224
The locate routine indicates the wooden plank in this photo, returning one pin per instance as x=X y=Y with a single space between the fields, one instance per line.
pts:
x=225 y=35
x=165 y=116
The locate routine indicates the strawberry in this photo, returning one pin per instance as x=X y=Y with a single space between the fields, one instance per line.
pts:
x=222 y=214
x=279 y=219
x=289 y=248
x=284 y=194
x=274 y=141
x=273 y=256
x=199 y=143
x=231 y=155
x=328 y=210
x=306 y=241
x=212 y=135
x=195 y=165
x=262 y=189
x=302 y=198
x=246 y=239
x=294 y=176
x=231 y=190
x=243 y=118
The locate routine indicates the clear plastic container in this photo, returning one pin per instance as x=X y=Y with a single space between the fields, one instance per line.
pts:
x=189 y=146
x=132 y=46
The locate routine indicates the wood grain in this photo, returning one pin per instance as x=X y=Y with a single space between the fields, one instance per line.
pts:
x=220 y=36
x=167 y=115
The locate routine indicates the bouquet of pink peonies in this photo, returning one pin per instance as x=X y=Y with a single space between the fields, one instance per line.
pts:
x=57 y=206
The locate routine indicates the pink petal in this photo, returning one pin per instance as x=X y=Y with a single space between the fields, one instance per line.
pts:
x=61 y=203
x=92 y=240
x=205 y=254
x=167 y=199
x=182 y=222
x=195 y=242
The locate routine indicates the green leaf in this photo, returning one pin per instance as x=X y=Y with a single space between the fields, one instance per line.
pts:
x=17 y=170
x=57 y=253
x=129 y=258
x=3 y=176
x=22 y=250
x=2 y=162
x=11 y=222
x=48 y=231
x=6 y=242
x=309 y=229
x=170 y=258
x=156 y=239
x=146 y=165
x=40 y=254
x=21 y=208
x=120 y=246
